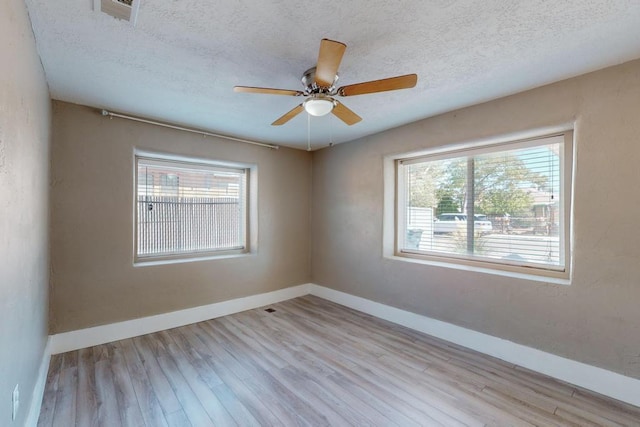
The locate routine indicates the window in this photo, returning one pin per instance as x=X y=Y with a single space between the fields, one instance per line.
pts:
x=517 y=193
x=186 y=208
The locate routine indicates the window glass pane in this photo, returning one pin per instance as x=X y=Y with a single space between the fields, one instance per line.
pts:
x=515 y=196
x=189 y=208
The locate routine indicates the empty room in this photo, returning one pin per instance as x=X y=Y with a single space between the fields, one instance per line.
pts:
x=380 y=213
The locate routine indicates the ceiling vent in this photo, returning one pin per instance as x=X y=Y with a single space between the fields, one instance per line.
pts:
x=121 y=9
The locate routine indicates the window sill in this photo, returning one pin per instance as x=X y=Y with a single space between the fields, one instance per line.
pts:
x=151 y=261
x=482 y=269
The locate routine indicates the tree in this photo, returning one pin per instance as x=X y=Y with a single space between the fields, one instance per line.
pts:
x=447 y=204
x=498 y=184
x=422 y=179
x=451 y=186
x=513 y=201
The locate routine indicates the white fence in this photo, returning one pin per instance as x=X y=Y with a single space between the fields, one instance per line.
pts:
x=188 y=224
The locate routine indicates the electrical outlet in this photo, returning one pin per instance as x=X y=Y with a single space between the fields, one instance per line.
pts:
x=15 y=399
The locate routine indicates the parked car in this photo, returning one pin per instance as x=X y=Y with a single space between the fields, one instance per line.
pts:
x=452 y=222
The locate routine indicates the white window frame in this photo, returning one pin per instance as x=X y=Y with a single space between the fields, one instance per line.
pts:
x=394 y=235
x=249 y=211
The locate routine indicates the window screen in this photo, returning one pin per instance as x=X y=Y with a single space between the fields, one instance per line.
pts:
x=185 y=208
x=504 y=204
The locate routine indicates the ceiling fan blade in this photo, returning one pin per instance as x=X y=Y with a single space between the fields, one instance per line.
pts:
x=267 y=91
x=329 y=59
x=383 y=85
x=288 y=116
x=345 y=114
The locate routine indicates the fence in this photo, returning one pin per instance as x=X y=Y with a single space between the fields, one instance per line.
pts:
x=188 y=224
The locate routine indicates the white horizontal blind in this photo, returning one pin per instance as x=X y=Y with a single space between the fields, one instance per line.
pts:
x=188 y=208
x=517 y=203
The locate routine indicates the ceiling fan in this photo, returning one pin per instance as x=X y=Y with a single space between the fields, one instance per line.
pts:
x=319 y=87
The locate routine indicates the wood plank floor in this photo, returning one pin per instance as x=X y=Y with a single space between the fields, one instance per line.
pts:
x=311 y=362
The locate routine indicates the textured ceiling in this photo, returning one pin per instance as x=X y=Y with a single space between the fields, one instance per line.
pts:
x=182 y=59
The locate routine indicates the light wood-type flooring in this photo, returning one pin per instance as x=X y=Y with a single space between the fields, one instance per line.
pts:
x=311 y=362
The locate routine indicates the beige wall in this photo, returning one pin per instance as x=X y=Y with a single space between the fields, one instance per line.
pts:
x=25 y=121
x=94 y=281
x=596 y=320
x=93 y=278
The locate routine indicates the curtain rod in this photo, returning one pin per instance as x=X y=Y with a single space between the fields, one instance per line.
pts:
x=186 y=129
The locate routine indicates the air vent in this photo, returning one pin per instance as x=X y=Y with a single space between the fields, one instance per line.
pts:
x=121 y=9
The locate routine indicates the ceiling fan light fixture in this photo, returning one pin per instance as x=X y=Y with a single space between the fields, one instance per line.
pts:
x=318 y=106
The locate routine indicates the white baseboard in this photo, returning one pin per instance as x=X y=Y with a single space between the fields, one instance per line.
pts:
x=601 y=381
x=74 y=340
x=38 y=388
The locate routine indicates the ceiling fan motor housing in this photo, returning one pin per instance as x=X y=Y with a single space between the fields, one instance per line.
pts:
x=309 y=82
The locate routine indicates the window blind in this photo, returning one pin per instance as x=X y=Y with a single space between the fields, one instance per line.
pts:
x=500 y=204
x=188 y=208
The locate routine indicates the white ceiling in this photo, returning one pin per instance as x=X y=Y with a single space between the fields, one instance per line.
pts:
x=183 y=57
